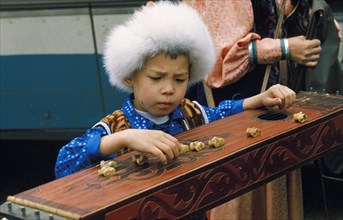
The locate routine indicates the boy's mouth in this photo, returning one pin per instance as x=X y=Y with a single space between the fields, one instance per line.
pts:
x=164 y=105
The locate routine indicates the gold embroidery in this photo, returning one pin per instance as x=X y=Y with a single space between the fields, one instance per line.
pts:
x=191 y=113
x=117 y=121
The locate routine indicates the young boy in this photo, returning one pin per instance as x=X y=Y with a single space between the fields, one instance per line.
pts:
x=156 y=55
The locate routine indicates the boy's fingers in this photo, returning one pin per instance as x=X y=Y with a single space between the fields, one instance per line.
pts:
x=172 y=144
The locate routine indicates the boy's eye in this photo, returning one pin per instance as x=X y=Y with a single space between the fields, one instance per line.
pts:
x=181 y=80
x=155 y=77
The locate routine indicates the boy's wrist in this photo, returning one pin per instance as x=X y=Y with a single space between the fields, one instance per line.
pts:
x=253 y=102
x=109 y=144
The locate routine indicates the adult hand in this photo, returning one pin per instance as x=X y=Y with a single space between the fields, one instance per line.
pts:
x=338 y=29
x=305 y=52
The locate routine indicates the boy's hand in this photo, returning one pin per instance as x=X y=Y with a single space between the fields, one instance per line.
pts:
x=278 y=95
x=158 y=143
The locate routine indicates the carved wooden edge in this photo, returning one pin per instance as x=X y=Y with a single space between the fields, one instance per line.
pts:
x=236 y=176
x=37 y=206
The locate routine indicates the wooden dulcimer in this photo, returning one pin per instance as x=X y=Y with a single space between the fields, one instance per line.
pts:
x=196 y=181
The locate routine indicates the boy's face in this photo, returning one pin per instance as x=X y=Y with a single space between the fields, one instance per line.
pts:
x=161 y=85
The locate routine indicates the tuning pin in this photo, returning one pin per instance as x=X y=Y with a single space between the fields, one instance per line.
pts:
x=324 y=91
x=311 y=89
x=337 y=93
x=51 y=217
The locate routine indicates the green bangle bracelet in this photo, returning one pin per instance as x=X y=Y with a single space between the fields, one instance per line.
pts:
x=283 y=49
x=254 y=51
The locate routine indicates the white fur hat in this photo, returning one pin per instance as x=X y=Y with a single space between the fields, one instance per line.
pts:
x=152 y=29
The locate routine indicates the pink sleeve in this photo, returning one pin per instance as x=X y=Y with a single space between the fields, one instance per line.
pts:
x=268 y=50
x=230 y=23
x=233 y=64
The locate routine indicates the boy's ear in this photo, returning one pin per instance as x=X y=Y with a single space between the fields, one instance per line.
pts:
x=150 y=3
x=128 y=82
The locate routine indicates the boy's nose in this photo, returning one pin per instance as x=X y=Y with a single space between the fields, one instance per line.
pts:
x=167 y=89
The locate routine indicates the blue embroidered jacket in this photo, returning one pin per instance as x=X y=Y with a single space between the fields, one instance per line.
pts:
x=83 y=152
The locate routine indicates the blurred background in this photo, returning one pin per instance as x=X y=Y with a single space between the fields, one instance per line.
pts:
x=53 y=87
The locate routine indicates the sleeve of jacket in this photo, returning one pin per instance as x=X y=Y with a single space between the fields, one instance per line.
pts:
x=328 y=73
x=80 y=153
x=224 y=109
